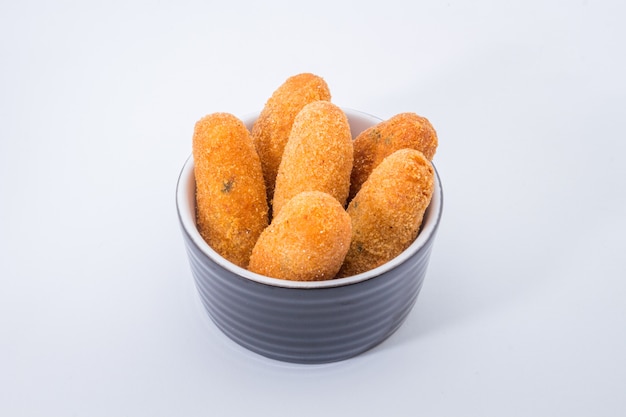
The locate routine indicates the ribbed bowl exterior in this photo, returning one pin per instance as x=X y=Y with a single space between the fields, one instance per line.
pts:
x=300 y=323
x=307 y=325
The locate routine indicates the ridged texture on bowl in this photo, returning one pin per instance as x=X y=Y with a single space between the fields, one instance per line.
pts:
x=296 y=322
x=307 y=325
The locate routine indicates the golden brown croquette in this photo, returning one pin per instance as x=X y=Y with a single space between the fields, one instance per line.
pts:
x=231 y=204
x=404 y=130
x=307 y=241
x=387 y=212
x=318 y=155
x=271 y=130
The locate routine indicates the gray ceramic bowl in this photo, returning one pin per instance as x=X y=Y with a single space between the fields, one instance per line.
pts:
x=306 y=322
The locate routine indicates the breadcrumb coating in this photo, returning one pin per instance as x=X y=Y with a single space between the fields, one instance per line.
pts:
x=307 y=241
x=318 y=155
x=270 y=131
x=404 y=130
x=387 y=212
x=231 y=204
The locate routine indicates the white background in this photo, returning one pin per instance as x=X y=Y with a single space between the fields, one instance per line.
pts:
x=523 y=312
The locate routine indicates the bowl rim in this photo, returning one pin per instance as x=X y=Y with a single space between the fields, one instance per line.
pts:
x=185 y=206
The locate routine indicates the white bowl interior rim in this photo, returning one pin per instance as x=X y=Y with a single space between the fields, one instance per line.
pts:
x=185 y=204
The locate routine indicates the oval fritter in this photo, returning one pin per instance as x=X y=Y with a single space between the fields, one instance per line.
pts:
x=271 y=130
x=231 y=203
x=318 y=155
x=307 y=241
x=404 y=130
x=387 y=212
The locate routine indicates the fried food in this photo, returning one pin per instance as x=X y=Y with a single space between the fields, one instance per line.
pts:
x=387 y=212
x=271 y=130
x=318 y=155
x=306 y=241
x=231 y=204
x=404 y=130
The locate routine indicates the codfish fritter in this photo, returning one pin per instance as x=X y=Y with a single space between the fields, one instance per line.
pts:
x=306 y=241
x=318 y=155
x=231 y=204
x=387 y=212
x=404 y=130
x=271 y=130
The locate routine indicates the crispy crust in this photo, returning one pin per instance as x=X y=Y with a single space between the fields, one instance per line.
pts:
x=318 y=155
x=387 y=212
x=231 y=202
x=404 y=130
x=307 y=241
x=271 y=130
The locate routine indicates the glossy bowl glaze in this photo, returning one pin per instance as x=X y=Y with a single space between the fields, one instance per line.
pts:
x=307 y=322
